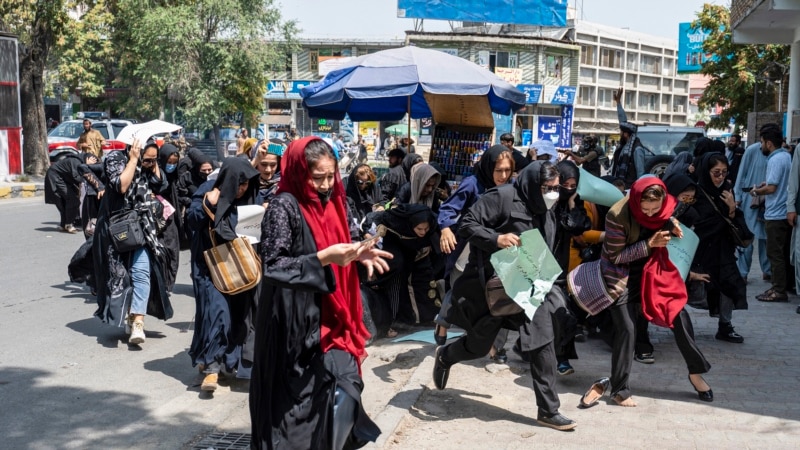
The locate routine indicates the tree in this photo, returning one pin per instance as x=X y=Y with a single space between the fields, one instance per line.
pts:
x=38 y=23
x=739 y=73
x=213 y=55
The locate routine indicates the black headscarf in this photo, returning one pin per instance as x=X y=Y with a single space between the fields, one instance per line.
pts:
x=443 y=180
x=363 y=199
x=403 y=218
x=234 y=171
x=567 y=170
x=408 y=162
x=702 y=146
x=678 y=183
x=678 y=166
x=708 y=161
x=529 y=187
x=485 y=170
x=164 y=153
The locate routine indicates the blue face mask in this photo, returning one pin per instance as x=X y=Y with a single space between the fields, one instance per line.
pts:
x=170 y=168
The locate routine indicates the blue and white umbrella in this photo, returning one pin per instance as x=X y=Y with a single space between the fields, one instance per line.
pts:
x=389 y=84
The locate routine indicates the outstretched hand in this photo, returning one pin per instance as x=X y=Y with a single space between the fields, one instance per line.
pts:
x=375 y=260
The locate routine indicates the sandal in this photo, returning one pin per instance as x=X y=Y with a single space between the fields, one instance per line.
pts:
x=595 y=393
x=774 y=297
x=766 y=293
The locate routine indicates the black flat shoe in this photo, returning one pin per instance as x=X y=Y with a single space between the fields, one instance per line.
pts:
x=706 y=396
x=441 y=371
x=439 y=339
x=590 y=398
x=557 y=422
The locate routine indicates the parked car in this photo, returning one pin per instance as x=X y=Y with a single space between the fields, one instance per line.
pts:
x=63 y=139
x=663 y=143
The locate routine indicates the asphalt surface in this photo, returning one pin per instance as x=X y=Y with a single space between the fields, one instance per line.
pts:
x=69 y=381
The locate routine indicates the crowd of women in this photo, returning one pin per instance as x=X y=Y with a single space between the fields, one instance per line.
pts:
x=346 y=261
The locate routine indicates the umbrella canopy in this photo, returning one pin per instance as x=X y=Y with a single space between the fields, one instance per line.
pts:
x=143 y=131
x=400 y=129
x=388 y=84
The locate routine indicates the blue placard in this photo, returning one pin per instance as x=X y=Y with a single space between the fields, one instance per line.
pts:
x=533 y=92
x=690 y=48
x=565 y=133
x=502 y=123
x=564 y=95
x=549 y=13
x=527 y=138
x=285 y=89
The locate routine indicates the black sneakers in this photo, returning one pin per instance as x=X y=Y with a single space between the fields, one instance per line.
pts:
x=441 y=370
x=556 y=422
x=726 y=333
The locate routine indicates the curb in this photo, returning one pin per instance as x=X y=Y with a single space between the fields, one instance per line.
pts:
x=22 y=191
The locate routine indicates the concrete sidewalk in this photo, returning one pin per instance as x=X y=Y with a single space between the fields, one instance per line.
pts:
x=19 y=189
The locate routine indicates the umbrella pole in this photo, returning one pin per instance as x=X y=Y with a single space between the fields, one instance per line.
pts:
x=409 y=123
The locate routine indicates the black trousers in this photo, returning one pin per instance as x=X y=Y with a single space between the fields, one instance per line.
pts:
x=684 y=339
x=623 y=317
x=68 y=205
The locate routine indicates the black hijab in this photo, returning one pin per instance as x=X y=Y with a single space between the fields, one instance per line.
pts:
x=410 y=161
x=363 y=199
x=708 y=161
x=403 y=218
x=164 y=153
x=567 y=170
x=702 y=146
x=234 y=171
x=529 y=187
x=678 y=183
x=485 y=170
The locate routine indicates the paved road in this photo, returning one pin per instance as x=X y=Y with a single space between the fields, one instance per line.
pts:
x=68 y=381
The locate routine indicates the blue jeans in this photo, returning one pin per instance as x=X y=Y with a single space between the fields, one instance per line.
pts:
x=140 y=278
x=745 y=258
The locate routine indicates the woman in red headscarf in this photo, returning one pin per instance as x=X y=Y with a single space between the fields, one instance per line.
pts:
x=310 y=337
x=634 y=261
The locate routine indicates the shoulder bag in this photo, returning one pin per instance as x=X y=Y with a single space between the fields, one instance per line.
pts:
x=737 y=228
x=234 y=266
x=499 y=303
x=126 y=231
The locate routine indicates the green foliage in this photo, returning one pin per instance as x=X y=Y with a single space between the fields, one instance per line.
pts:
x=84 y=49
x=738 y=69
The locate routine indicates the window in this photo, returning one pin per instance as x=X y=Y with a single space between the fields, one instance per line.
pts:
x=630 y=100
x=587 y=55
x=554 y=65
x=651 y=64
x=586 y=96
x=611 y=58
x=633 y=61
x=507 y=59
x=313 y=60
x=647 y=102
x=605 y=98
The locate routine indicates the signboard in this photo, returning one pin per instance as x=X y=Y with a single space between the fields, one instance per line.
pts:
x=565 y=132
x=527 y=138
x=533 y=92
x=548 y=128
x=551 y=13
x=324 y=125
x=502 y=123
x=329 y=64
x=513 y=76
x=483 y=59
x=449 y=51
x=285 y=89
x=346 y=130
x=690 y=48
x=564 y=95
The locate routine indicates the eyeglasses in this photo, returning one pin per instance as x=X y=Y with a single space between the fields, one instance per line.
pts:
x=149 y=160
x=546 y=189
x=719 y=173
x=360 y=182
x=689 y=200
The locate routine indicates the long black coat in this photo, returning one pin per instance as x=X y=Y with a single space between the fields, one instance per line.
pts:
x=62 y=179
x=293 y=382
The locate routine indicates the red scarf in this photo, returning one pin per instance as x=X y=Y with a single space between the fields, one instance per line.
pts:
x=341 y=325
x=663 y=289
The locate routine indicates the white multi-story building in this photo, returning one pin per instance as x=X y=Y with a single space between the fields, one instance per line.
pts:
x=644 y=65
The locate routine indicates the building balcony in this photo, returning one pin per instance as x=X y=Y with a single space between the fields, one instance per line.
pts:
x=765 y=21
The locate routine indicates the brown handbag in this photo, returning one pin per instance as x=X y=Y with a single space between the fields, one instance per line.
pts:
x=500 y=304
x=234 y=266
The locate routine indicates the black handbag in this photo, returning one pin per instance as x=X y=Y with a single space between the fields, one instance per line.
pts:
x=126 y=231
x=737 y=227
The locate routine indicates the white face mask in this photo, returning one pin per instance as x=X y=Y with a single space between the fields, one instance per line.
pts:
x=550 y=199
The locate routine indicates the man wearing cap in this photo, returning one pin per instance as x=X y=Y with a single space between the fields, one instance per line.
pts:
x=507 y=140
x=395 y=177
x=629 y=158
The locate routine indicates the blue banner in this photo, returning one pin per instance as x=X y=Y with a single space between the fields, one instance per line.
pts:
x=285 y=89
x=565 y=133
x=548 y=128
x=549 y=13
x=527 y=138
x=502 y=123
x=564 y=95
x=690 y=48
x=533 y=92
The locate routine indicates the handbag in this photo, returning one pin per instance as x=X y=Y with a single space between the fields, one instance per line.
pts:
x=499 y=303
x=234 y=266
x=737 y=228
x=126 y=231
x=587 y=287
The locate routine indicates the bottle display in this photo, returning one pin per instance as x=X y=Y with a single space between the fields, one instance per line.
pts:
x=458 y=151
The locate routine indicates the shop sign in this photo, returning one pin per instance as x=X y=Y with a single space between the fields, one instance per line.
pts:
x=533 y=92
x=564 y=95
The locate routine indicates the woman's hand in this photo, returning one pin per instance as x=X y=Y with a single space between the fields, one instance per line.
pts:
x=375 y=260
x=727 y=197
x=212 y=197
x=704 y=277
x=676 y=228
x=136 y=150
x=447 y=241
x=340 y=254
x=571 y=201
x=659 y=239
x=507 y=240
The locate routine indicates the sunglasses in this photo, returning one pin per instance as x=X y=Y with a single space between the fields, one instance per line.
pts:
x=689 y=201
x=546 y=189
x=149 y=160
x=360 y=182
x=719 y=173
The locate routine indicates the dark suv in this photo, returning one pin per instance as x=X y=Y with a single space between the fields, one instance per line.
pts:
x=662 y=143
